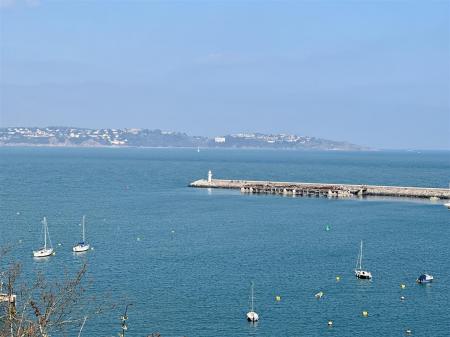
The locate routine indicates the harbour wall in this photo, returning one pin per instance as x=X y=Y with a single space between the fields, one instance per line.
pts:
x=323 y=189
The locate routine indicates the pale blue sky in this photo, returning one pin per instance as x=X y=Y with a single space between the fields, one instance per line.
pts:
x=373 y=73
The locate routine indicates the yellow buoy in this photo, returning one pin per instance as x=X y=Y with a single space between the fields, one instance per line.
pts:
x=338 y=278
x=278 y=298
x=402 y=286
x=365 y=313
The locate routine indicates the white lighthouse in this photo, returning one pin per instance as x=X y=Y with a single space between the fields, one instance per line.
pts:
x=209 y=176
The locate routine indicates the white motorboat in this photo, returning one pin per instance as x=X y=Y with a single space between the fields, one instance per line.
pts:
x=46 y=250
x=447 y=205
x=425 y=278
x=359 y=271
x=82 y=246
x=252 y=316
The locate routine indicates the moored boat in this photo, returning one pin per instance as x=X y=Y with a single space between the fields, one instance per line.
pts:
x=82 y=246
x=45 y=250
x=425 y=278
x=252 y=316
x=359 y=271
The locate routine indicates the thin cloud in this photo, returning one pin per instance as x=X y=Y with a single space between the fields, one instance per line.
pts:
x=7 y=3
x=33 y=3
x=221 y=59
x=13 y=3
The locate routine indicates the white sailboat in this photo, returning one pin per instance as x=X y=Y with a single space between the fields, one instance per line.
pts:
x=198 y=149
x=82 y=246
x=252 y=316
x=359 y=271
x=44 y=251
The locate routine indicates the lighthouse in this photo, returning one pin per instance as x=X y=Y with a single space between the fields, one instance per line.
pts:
x=209 y=176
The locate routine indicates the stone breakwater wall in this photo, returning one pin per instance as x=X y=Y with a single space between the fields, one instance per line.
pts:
x=322 y=189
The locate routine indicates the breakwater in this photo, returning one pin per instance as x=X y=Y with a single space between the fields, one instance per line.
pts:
x=322 y=189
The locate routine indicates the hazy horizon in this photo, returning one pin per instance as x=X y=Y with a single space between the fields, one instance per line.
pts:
x=372 y=74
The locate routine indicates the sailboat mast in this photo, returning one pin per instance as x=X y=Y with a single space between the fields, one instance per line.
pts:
x=83 y=228
x=252 y=296
x=360 y=256
x=45 y=232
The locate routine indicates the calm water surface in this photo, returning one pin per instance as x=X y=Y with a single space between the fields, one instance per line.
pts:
x=185 y=257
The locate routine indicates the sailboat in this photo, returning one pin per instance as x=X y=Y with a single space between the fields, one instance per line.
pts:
x=359 y=271
x=82 y=246
x=198 y=149
x=44 y=251
x=252 y=316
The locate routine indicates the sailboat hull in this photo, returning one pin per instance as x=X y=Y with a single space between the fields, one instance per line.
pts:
x=44 y=252
x=362 y=274
x=80 y=248
x=252 y=316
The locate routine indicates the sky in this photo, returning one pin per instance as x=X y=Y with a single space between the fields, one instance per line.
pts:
x=375 y=73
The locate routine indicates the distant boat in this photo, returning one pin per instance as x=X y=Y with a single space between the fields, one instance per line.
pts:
x=359 y=271
x=319 y=294
x=252 y=316
x=425 y=278
x=82 y=246
x=447 y=205
x=44 y=251
x=198 y=149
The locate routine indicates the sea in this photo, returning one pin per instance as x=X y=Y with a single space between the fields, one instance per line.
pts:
x=183 y=259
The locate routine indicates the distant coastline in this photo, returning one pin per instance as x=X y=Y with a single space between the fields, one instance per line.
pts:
x=132 y=137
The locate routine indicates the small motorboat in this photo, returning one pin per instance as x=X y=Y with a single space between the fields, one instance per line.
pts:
x=447 y=205
x=425 y=278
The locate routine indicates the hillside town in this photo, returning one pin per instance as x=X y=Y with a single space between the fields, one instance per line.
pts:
x=135 y=137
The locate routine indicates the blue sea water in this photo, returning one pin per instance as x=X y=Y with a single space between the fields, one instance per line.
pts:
x=185 y=257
